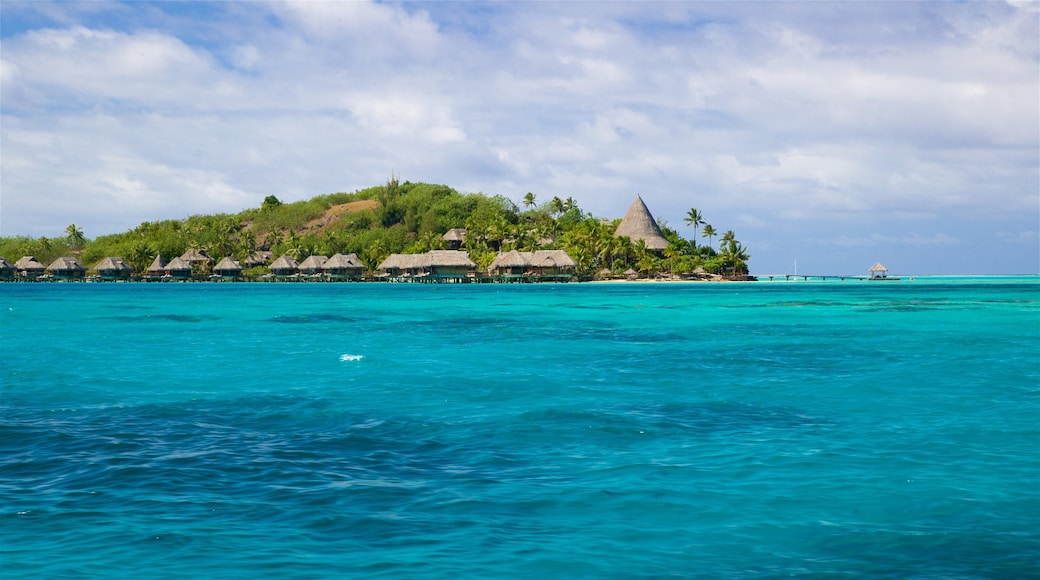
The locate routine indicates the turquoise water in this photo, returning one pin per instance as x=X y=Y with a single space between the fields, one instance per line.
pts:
x=632 y=430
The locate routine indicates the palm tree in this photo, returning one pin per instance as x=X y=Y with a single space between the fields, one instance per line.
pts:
x=709 y=232
x=529 y=200
x=736 y=256
x=695 y=219
x=74 y=236
x=729 y=236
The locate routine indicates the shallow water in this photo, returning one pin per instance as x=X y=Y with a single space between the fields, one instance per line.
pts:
x=307 y=430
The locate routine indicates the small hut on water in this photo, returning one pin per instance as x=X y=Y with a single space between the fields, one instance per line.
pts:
x=227 y=268
x=284 y=267
x=66 y=268
x=157 y=269
x=313 y=264
x=878 y=270
x=344 y=267
x=177 y=269
x=29 y=268
x=7 y=269
x=112 y=268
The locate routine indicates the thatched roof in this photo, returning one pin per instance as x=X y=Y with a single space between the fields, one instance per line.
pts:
x=66 y=264
x=553 y=258
x=194 y=256
x=454 y=235
x=443 y=258
x=227 y=265
x=638 y=224
x=284 y=263
x=5 y=266
x=879 y=267
x=178 y=265
x=158 y=265
x=112 y=264
x=257 y=258
x=313 y=263
x=28 y=263
x=344 y=262
x=510 y=259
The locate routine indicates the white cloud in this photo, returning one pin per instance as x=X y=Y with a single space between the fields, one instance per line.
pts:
x=771 y=117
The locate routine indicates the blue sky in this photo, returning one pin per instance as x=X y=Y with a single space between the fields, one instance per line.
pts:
x=835 y=134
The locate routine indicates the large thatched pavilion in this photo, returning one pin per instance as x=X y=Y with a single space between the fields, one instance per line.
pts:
x=433 y=266
x=554 y=265
x=638 y=224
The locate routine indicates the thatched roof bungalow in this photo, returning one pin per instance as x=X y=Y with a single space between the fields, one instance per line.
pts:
x=7 y=269
x=554 y=264
x=344 y=267
x=435 y=265
x=454 y=238
x=638 y=224
x=178 y=268
x=878 y=270
x=313 y=264
x=66 y=268
x=157 y=269
x=227 y=268
x=29 y=268
x=112 y=268
x=284 y=266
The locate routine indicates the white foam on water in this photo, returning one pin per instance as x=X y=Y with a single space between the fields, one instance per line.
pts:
x=350 y=357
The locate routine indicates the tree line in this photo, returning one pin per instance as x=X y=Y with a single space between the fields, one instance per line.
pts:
x=400 y=217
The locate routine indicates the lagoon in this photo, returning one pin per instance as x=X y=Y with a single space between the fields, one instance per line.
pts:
x=367 y=430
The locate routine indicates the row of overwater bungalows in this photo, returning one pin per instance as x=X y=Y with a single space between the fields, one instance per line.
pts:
x=432 y=266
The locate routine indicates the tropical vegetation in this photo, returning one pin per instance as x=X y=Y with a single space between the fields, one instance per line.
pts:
x=398 y=217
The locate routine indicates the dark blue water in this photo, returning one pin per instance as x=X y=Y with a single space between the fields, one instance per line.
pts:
x=318 y=430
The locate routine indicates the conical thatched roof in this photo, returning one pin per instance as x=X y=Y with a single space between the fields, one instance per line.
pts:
x=178 y=265
x=313 y=263
x=638 y=224
x=879 y=267
x=28 y=263
x=284 y=264
x=66 y=264
x=158 y=265
x=194 y=256
x=344 y=262
x=227 y=266
x=112 y=264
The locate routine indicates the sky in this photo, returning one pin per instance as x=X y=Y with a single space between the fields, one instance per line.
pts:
x=827 y=135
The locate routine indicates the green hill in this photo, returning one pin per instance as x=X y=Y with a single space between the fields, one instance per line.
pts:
x=392 y=218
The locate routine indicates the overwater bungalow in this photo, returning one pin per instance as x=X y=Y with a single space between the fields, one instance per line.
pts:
x=433 y=266
x=28 y=268
x=540 y=265
x=66 y=268
x=284 y=267
x=313 y=265
x=344 y=267
x=228 y=269
x=878 y=270
x=112 y=268
x=157 y=269
x=7 y=269
x=638 y=224
x=177 y=269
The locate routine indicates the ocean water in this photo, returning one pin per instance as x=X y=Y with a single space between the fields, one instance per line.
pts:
x=874 y=429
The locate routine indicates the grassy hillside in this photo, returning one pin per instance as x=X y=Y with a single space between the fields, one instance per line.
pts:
x=375 y=222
